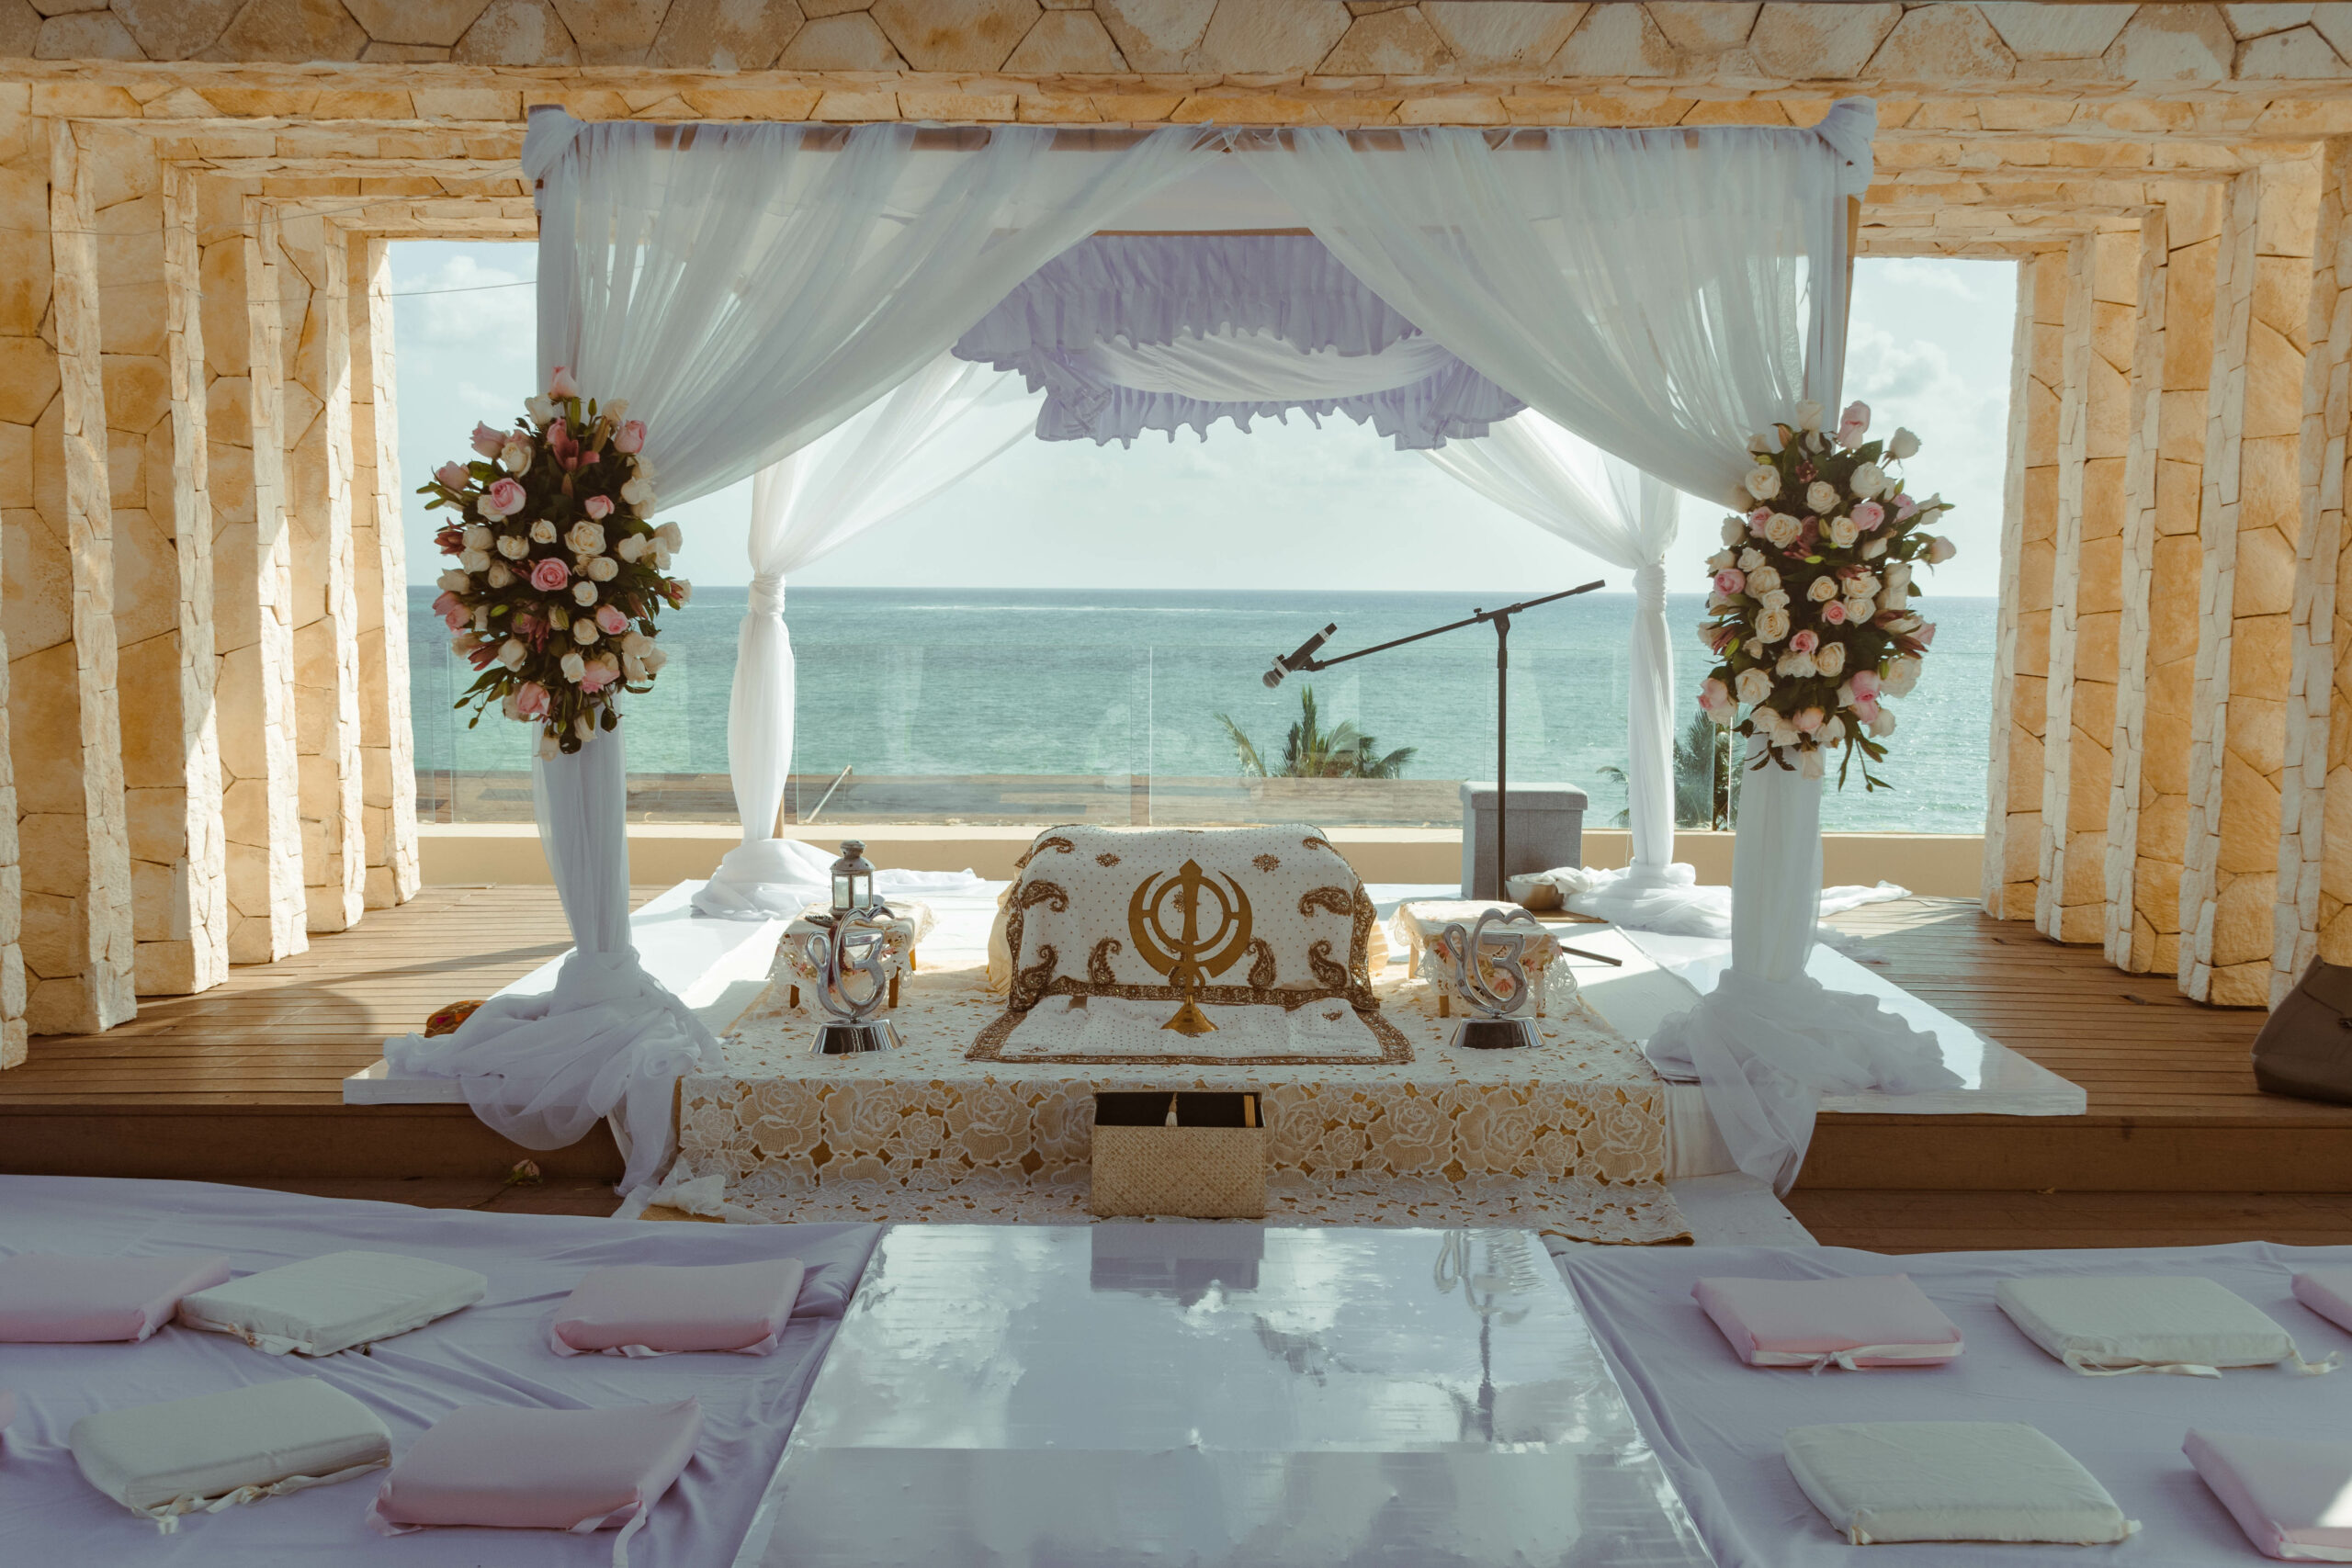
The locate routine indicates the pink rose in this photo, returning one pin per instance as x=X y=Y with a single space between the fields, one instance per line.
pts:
x=1925 y=634
x=548 y=575
x=1940 y=549
x=1715 y=696
x=1808 y=719
x=629 y=437
x=446 y=605
x=1868 y=516
x=1903 y=507
x=1804 y=642
x=507 y=498
x=599 y=675
x=1866 y=687
x=1731 y=580
x=1834 y=613
x=1757 y=518
x=611 y=621
x=561 y=385
x=531 y=699
x=453 y=474
x=1852 y=422
x=598 y=507
x=488 y=441
x=1866 y=708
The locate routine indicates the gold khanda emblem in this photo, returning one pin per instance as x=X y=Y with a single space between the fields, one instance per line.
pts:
x=1185 y=955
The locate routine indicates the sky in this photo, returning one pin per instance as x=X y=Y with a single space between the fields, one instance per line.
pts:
x=1284 y=506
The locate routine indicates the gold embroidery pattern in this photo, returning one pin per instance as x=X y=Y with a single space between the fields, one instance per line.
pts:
x=1098 y=962
x=1261 y=964
x=1028 y=985
x=1329 y=972
x=1106 y=858
x=1314 y=843
x=1394 y=1049
x=1266 y=863
x=1040 y=847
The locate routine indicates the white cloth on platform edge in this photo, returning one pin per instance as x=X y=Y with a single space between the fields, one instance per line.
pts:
x=609 y=1038
x=1674 y=901
x=1770 y=1040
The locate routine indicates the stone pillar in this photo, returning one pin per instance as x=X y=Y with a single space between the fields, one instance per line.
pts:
x=253 y=579
x=2163 y=562
x=2315 y=804
x=2086 y=610
x=162 y=565
x=67 y=747
x=27 y=387
x=314 y=287
x=2029 y=536
x=386 y=744
x=2249 y=520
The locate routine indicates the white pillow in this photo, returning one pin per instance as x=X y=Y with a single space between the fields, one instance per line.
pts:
x=1888 y=1481
x=2108 y=1324
x=324 y=1304
x=218 y=1449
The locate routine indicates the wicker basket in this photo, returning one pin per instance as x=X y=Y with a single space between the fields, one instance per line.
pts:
x=1186 y=1171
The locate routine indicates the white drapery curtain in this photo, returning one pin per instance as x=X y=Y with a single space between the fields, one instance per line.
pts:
x=610 y=1039
x=1662 y=294
x=886 y=460
x=1530 y=466
x=746 y=289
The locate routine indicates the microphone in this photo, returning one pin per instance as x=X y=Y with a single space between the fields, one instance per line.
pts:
x=1285 y=663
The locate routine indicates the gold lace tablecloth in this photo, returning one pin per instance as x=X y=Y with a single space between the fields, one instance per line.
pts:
x=1568 y=1138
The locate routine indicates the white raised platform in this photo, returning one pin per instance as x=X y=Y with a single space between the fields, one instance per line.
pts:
x=716 y=968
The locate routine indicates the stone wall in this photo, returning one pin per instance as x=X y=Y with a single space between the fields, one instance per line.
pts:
x=206 y=754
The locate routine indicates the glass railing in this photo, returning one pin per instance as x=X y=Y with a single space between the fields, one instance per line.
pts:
x=1026 y=709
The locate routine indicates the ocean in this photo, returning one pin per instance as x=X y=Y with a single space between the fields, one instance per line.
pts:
x=1131 y=682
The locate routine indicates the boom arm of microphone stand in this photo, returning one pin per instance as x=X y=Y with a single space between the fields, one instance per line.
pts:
x=1481 y=618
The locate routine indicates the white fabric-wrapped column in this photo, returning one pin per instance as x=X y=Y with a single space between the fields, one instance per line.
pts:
x=610 y=1039
x=885 y=461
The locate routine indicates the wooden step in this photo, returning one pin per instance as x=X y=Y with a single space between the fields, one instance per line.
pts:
x=233 y=1142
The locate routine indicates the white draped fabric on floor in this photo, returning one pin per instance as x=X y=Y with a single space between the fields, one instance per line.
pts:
x=780 y=300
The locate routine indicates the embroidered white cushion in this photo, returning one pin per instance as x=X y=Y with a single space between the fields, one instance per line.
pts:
x=2105 y=1325
x=2327 y=1292
x=328 y=1303
x=1879 y=1320
x=2293 y=1498
x=643 y=1310
x=217 y=1450
x=1888 y=1481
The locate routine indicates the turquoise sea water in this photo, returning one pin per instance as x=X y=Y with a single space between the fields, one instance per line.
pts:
x=1130 y=682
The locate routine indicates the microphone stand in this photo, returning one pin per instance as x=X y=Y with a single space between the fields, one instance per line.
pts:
x=1305 y=660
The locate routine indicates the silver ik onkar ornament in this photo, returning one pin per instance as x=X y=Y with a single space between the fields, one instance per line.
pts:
x=855 y=949
x=1490 y=976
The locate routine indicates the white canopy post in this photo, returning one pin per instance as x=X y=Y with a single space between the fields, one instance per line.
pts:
x=886 y=460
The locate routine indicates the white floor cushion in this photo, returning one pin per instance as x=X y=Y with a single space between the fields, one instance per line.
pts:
x=328 y=1303
x=2106 y=1324
x=2292 y=1499
x=1851 y=1322
x=218 y=1450
x=1999 y=1480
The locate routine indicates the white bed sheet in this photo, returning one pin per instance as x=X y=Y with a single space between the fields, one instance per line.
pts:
x=494 y=1352
x=1717 y=1425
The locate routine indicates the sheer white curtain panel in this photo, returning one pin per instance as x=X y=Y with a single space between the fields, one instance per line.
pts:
x=1663 y=294
x=888 y=459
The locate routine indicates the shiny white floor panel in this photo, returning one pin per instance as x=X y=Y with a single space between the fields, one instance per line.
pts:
x=1219 y=1397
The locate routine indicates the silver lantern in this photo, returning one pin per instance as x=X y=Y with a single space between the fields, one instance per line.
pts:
x=852 y=881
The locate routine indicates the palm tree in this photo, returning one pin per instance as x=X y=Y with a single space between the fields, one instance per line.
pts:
x=1313 y=753
x=1702 y=777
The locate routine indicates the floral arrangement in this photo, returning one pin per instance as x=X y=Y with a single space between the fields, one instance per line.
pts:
x=1811 y=611
x=559 y=578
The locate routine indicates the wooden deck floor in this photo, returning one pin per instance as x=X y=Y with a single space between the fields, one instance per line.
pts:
x=2177 y=1144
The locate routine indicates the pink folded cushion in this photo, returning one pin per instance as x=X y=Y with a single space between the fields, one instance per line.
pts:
x=1868 y=1321
x=2285 y=1493
x=48 y=1298
x=642 y=1309
x=564 y=1470
x=2327 y=1292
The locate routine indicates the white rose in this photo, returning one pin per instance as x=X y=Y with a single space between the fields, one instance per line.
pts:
x=1782 y=529
x=1763 y=579
x=583 y=631
x=1902 y=444
x=1734 y=530
x=541 y=408
x=575 y=668
x=1771 y=626
x=585 y=539
x=473 y=561
x=510 y=707
x=1833 y=728
x=632 y=546
x=1822 y=496
x=454 y=582
x=1869 y=479
x=515 y=456
x=668 y=536
x=512 y=653
x=616 y=410
x=1830 y=659
x=1861 y=612
x=1775 y=599
x=635 y=641
x=1762 y=443
x=1866 y=586
x=464 y=643
x=1843 y=532
x=1940 y=549
x=1752 y=560
x=478 y=537
x=685 y=592
x=498 y=576
x=584 y=728
x=513 y=547
x=1763 y=481
x=1810 y=766
x=1899 y=677
x=1874 y=546
x=547 y=747
x=1883 y=721
x=583 y=595
x=1821 y=590
x=481 y=618
x=654 y=659
x=1721 y=559
x=633 y=667
x=482 y=505
x=639 y=492
x=661 y=559
x=1795 y=667
x=543 y=532
x=604 y=569
x=1809 y=415
x=1897 y=577
x=1753 y=686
